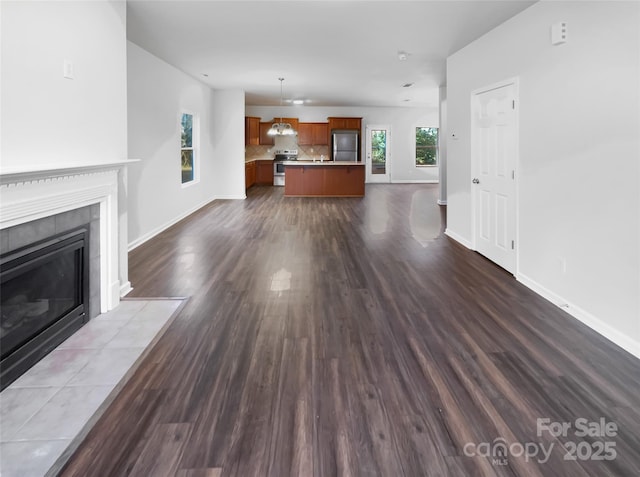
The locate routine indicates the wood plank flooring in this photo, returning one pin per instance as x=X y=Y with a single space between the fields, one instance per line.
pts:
x=350 y=337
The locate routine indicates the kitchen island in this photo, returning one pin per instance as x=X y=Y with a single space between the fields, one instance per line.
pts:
x=323 y=179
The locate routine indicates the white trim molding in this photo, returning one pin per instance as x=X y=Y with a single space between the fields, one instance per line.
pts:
x=148 y=236
x=593 y=322
x=414 y=181
x=458 y=238
x=125 y=289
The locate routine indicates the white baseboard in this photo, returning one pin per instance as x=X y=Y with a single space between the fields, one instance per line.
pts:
x=458 y=238
x=148 y=236
x=442 y=202
x=593 y=322
x=125 y=289
x=228 y=197
x=414 y=181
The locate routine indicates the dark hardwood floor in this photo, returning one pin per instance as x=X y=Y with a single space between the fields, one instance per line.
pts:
x=329 y=337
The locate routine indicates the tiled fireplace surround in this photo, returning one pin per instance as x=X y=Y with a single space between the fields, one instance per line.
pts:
x=21 y=235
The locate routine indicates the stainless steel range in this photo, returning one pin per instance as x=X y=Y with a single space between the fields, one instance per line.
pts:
x=278 y=166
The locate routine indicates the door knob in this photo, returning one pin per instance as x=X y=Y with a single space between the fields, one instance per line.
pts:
x=475 y=181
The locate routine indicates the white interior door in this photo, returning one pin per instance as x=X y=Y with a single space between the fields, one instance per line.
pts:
x=494 y=148
x=377 y=160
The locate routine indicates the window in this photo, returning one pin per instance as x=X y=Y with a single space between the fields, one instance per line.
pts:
x=426 y=146
x=187 y=149
x=378 y=151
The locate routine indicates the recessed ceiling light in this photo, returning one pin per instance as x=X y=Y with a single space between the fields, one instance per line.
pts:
x=298 y=101
x=403 y=55
x=407 y=85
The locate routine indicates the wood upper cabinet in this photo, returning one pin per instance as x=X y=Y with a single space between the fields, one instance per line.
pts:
x=320 y=133
x=345 y=123
x=305 y=134
x=251 y=131
x=265 y=139
x=313 y=134
x=293 y=121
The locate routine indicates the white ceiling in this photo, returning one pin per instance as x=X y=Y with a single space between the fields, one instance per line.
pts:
x=331 y=53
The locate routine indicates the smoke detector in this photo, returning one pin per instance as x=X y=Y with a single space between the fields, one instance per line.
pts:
x=403 y=55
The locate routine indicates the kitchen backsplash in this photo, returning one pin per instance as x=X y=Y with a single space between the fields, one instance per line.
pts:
x=262 y=152
x=304 y=152
x=284 y=143
x=309 y=153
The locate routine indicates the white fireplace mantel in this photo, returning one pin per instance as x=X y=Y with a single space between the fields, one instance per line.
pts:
x=31 y=193
x=15 y=174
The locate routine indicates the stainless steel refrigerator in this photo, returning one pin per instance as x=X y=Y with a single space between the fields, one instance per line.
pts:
x=345 y=145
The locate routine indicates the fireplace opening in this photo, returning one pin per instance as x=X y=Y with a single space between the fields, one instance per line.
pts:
x=44 y=299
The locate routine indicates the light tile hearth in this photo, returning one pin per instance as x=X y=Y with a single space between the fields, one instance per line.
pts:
x=45 y=409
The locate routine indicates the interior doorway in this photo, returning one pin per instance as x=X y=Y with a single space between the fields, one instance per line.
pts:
x=494 y=149
x=377 y=159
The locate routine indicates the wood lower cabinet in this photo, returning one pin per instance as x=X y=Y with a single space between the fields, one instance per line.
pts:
x=264 y=172
x=251 y=131
x=324 y=180
x=249 y=174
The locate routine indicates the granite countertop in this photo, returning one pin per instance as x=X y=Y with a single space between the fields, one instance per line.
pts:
x=253 y=159
x=322 y=163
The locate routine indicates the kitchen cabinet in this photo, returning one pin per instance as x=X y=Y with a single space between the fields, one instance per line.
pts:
x=313 y=134
x=320 y=133
x=264 y=172
x=324 y=180
x=251 y=131
x=354 y=124
x=265 y=139
x=293 y=121
x=249 y=174
x=345 y=123
x=305 y=134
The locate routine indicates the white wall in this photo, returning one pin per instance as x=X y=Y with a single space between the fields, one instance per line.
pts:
x=158 y=95
x=401 y=121
x=47 y=119
x=578 y=168
x=442 y=145
x=227 y=138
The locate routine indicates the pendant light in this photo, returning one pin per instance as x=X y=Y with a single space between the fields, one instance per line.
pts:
x=281 y=128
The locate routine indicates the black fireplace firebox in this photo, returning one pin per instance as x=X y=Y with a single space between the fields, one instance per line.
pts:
x=44 y=295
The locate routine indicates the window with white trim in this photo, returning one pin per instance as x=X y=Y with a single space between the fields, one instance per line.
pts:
x=426 y=146
x=188 y=133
